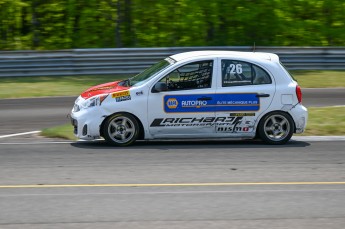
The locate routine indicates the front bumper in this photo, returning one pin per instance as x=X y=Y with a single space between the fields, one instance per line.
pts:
x=87 y=123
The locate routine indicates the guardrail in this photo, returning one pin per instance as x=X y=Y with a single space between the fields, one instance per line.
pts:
x=134 y=60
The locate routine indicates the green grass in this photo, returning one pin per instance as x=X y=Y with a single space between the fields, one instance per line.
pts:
x=319 y=79
x=20 y=87
x=326 y=121
x=63 y=131
x=322 y=121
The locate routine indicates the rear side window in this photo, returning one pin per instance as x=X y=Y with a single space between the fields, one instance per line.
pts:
x=239 y=73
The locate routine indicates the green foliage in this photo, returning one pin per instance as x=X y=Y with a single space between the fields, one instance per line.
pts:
x=65 y=24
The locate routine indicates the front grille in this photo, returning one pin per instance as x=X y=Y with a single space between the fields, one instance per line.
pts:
x=75 y=125
x=85 y=130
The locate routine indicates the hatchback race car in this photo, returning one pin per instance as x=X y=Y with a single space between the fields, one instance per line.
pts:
x=200 y=94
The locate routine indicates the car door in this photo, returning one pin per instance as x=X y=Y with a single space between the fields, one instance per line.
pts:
x=180 y=108
x=244 y=92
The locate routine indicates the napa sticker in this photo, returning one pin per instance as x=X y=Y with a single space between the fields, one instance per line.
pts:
x=171 y=103
x=211 y=103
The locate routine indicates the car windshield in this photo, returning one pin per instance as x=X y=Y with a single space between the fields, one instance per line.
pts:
x=148 y=73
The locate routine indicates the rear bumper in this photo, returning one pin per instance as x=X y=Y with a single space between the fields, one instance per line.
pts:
x=299 y=114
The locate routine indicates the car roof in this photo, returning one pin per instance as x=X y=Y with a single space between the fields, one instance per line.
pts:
x=229 y=54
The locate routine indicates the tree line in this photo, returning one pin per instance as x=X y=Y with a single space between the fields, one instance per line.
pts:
x=66 y=24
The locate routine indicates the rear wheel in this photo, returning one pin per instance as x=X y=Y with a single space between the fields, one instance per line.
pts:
x=276 y=128
x=121 y=129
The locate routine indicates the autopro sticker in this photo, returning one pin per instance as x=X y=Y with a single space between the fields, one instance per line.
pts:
x=211 y=103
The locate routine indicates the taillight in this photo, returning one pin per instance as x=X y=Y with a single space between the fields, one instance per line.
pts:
x=299 y=93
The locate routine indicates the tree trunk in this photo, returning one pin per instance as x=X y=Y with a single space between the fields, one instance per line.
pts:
x=35 y=26
x=118 y=39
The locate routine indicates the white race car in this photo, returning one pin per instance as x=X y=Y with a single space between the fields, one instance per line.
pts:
x=202 y=94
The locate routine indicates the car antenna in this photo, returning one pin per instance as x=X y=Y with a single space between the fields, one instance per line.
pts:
x=254 y=47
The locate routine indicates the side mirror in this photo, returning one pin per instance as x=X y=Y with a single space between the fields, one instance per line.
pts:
x=160 y=86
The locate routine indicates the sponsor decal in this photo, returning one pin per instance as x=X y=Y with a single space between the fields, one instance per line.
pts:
x=191 y=103
x=231 y=129
x=171 y=103
x=121 y=96
x=211 y=103
x=139 y=93
x=242 y=125
x=242 y=114
x=222 y=124
x=193 y=121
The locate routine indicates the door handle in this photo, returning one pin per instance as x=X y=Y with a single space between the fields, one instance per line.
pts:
x=262 y=95
x=204 y=99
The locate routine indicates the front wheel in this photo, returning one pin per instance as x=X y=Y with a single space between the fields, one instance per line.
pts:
x=121 y=129
x=276 y=128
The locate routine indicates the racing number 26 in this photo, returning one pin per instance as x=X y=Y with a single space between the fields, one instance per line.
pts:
x=235 y=68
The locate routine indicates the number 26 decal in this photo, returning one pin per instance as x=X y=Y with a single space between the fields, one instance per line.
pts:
x=234 y=68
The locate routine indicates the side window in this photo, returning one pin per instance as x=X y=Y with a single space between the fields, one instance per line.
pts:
x=238 y=73
x=190 y=76
x=235 y=73
x=260 y=76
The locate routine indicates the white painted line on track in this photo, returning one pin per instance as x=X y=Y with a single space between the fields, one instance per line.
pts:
x=34 y=143
x=238 y=184
x=20 y=134
x=318 y=138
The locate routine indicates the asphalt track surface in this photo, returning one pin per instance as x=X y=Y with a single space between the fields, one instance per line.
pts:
x=162 y=184
x=51 y=183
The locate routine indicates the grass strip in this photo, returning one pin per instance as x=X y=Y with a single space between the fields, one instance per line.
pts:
x=63 y=131
x=319 y=79
x=323 y=121
x=21 y=87
x=326 y=121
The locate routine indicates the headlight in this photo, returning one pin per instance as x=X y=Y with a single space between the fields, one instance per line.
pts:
x=91 y=102
x=76 y=108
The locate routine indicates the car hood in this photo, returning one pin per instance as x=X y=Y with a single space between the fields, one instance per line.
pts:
x=105 y=88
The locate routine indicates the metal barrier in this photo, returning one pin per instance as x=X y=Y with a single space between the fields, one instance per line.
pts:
x=134 y=60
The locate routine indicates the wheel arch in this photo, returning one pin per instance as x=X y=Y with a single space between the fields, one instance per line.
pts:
x=141 y=126
x=268 y=113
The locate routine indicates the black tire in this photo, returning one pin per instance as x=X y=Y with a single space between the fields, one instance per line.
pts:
x=276 y=128
x=121 y=129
